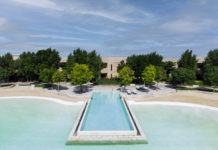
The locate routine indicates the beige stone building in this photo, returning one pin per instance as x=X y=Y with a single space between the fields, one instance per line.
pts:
x=111 y=69
x=112 y=63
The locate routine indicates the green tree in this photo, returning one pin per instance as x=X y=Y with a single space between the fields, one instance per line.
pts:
x=149 y=74
x=46 y=75
x=59 y=76
x=26 y=65
x=169 y=66
x=121 y=65
x=183 y=76
x=91 y=59
x=7 y=63
x=95 y=64
x=3 y=74
x=211 y=59
x=211 y=76
x=188 y=61
x=81 y=75
x=46 y=59
x=160 y=74
x=139 y=62
x=126 y=75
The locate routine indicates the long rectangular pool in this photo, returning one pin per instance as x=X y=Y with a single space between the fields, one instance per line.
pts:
x=106 y=114
x=106 y=118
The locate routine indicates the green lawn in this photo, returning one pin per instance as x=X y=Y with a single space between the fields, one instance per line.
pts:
x=195 y=89
x=107 y=82
x=25 y=84
x=5 y=85
x=44 y=85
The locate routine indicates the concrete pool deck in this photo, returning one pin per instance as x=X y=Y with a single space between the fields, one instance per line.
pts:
x=195 y=97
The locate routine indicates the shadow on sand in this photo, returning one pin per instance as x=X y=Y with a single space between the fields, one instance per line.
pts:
x=82 y=89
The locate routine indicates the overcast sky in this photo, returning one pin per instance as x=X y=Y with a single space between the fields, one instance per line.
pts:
x=111 y=27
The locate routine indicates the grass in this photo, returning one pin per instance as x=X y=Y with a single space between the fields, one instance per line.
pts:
x=186 y=89
x=44 y=85
x=5 y=85
x=25 y=84
x=107 y=82
x=195 y=89
x=198 y=82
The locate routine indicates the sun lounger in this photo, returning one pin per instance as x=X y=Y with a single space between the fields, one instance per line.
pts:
x=134 y=91
x=128 y=92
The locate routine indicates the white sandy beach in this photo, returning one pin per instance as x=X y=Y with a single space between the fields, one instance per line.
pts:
x=163 y=95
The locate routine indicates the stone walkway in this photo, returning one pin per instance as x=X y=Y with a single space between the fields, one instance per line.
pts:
x=70 y=90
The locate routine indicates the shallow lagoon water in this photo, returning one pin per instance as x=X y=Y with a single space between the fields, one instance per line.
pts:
x=38 y=124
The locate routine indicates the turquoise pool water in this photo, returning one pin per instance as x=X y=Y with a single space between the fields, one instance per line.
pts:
x=106 y=112
x=43 y=125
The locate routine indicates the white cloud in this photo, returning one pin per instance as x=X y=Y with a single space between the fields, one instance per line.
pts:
x=93 y=32
x=47 y=36
x=114 y=10
x=4 y=39
x=186 y=25
x=5 y=25
x=39 y=3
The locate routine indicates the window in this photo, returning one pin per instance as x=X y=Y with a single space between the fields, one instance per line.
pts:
x=111 y=67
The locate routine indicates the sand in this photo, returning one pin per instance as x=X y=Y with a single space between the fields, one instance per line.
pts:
x=27 y=91
x=195 y=97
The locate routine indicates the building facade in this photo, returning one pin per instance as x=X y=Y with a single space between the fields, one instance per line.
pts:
x=110 y=71
x=112 y=63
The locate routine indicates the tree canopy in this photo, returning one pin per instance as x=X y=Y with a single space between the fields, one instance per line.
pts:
x=211 y=76
x=169 y=66
x=160 y=74
x=121 y=65
x=26 y=65
x=149 y=74
x=138 y=63
x=212 y=58
x=126 y=75
x=47 y=59
x=59 y=76
x=46 y=75
x=183 y=76
x=91 y=59
x=3 y=74
x=8 y=66
x=188 y=60
x=81 y=74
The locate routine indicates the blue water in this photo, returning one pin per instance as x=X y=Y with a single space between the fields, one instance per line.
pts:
x=27 y=124
x=107 y=112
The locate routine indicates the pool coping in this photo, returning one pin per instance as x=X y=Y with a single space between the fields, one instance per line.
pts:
x=75 y=138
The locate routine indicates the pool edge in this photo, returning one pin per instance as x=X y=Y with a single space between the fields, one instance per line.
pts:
x=74 y=138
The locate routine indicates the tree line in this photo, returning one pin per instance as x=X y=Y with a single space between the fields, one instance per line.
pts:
x=82 y=66
x=151 y=67
x=45 y=66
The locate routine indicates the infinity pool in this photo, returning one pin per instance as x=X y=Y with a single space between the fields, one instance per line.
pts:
x=28 y=124
x=106 y=112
